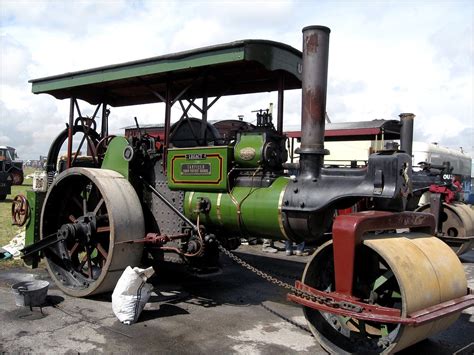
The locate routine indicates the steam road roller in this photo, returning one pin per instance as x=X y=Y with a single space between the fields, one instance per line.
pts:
x=380 y=282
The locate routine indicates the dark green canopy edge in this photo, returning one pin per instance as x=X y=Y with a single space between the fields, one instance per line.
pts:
x=247 y=66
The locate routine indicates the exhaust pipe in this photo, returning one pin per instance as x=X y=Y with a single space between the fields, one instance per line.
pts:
x=314 y=92
x=406 y=132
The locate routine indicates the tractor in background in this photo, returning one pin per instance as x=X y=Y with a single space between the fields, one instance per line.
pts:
x=11 y=165
x=5 y=182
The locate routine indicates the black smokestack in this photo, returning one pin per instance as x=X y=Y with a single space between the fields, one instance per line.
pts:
x=406 y=132
x=314 y=92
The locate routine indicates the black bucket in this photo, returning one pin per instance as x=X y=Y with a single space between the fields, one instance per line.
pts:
x=30 y=293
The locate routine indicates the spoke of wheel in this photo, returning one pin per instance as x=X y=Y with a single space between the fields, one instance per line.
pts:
x=83 y=262
x=382 y=280
x=351 y=324
x=89 y=267
x=362 y=329
x=89 y=262
x=101 y=250
x=74 y=248
x=99 y=205
x=84 y=205
x=103 y=229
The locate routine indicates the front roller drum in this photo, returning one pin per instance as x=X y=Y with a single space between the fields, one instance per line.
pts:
x=94 y=210
x=409 y=272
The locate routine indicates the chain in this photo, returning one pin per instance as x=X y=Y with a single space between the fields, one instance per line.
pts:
x=326 y=300
x=286 y=319
x=260 y=273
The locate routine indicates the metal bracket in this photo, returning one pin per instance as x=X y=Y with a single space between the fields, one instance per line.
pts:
x=349 y=229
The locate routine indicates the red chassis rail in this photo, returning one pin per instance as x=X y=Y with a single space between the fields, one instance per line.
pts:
x=347 y=235
x=370 y=312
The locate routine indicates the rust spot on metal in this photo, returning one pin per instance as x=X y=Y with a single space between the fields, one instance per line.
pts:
x=314 y=105
x=311 y=43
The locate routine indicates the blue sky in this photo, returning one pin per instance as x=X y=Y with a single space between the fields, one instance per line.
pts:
x=386 y=57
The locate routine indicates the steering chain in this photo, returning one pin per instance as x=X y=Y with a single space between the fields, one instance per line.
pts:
x=326 y=300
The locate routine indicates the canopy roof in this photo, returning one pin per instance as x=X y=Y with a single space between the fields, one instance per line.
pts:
x=247 y=66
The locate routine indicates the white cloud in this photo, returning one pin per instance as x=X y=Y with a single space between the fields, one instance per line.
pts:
x=4 y=140
x=14 y=61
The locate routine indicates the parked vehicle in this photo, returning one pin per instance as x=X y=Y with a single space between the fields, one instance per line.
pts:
x=12 y=166
x=5 y=182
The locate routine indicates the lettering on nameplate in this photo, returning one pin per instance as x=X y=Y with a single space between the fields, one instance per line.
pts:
x=195 y=156
x=195 y=169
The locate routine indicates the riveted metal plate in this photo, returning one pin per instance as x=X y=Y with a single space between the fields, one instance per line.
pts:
x=167 y=220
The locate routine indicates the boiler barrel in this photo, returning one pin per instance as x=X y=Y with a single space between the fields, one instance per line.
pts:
x=245 y=211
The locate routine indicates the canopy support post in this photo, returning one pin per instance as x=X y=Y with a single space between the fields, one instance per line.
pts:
x=105 y=121
x=281 y=86
x=72 y=104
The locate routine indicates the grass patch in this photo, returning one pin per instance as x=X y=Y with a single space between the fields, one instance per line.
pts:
x=7 y=230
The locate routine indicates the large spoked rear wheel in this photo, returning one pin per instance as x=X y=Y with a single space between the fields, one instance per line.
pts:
x=408 y=272
x=93 y=210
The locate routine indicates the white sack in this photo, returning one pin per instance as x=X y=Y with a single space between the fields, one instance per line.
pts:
x=131 y=294
x=15 y=245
